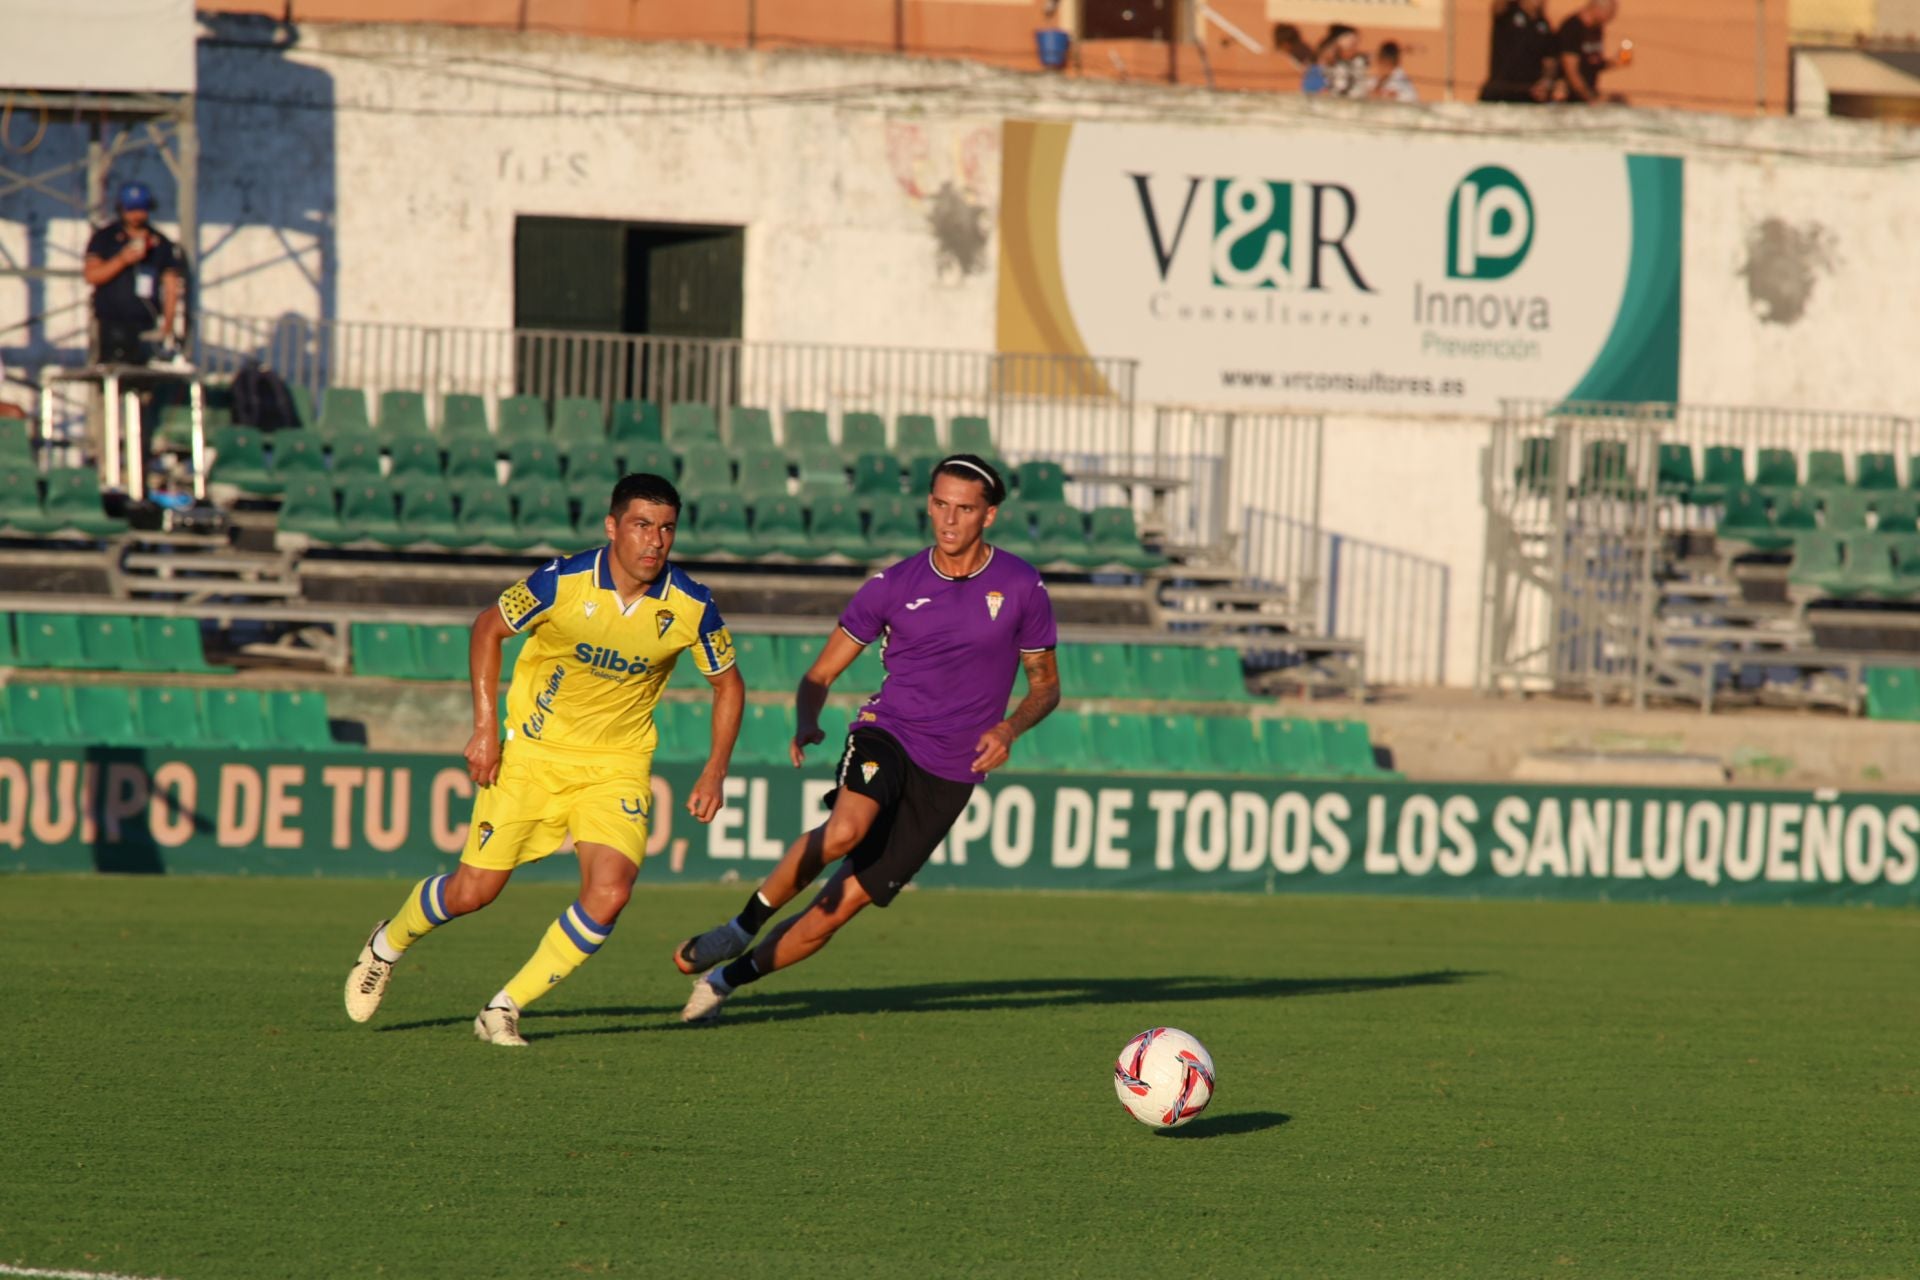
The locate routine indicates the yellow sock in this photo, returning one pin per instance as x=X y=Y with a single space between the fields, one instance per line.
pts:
x=424 y=910
x=569 y=941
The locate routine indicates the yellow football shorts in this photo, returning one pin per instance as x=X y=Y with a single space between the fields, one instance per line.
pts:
x=533 y=803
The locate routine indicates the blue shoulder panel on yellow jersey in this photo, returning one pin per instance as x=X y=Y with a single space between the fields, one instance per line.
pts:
x=533 y=595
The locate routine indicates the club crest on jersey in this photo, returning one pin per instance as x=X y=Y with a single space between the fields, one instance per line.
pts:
x=662 y=619
x=486 y=833
x=868 y=768
x=994 y=601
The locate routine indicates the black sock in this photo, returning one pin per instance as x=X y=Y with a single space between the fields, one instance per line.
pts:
x=740 y=972
x=754 y=916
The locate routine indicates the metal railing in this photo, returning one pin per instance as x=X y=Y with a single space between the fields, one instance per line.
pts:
x=1267 y=461
x=1037 y=404
x=1588 y=504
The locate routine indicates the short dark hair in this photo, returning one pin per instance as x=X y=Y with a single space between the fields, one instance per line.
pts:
x=971 y=466
x=1390 y=51
x=643 y=486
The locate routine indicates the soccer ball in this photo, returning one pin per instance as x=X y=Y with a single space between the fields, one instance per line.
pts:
x=1164 y=1078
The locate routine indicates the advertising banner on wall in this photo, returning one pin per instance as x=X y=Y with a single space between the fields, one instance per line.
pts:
x=405 y=816
x=1391 y=272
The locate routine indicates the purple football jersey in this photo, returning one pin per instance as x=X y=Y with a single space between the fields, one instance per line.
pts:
x=953 y=647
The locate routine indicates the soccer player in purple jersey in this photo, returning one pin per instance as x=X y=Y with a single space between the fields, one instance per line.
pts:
x=958 y=620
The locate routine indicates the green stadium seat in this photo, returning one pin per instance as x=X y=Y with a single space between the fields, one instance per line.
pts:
x=472 y=458
x=427 y=515
x=536 y=461
x=1177 y=744
x=920 y=475
x=1896 y=511
x=916 y=436
x=486 y=516
x=109 y=643
x=685 y=732
x=240 y=459
x=1875 y=472
x=590 y=518
x=72 y=502
x=706 y=467
x=862 y=433
x=1676 y=477
x=1826 y=469
x=1747 y=523
x=780 y=527
x=835 y=724
x=236 y=718
x=1796 y=511
x=19 y=496
x=1120 y=743
x=876 y=475
x=390 y=649
x=765 y=731
x=52 y=640
x=543 y=515
x=762 y=659
x=720 y=525
x=823 y=473
x=1845 y=510
x=1040 y=481
x=895 y=526
x=1292 y=748
x=356 y=458
x=1164 y=672
x=1871 y=568
x=1112 y=538
x=343 y=409
x=303 y=412
x=443 y=651
x=971 y=434
x=103 y=715
x=763 y=473
x=403 y=414
x=1215 y=675
x=174 y=644
x=1013 y=530
x=522 y=418
x=1060 y=533
x=688 y=421
x=16 y=443
x=803 y=429
x=41 y=714
x=1606 y=467
x=172 y=717
x=463 y=415
x=748 y=428
x=368 y=510
x=1725 y=470
x=1349 y=750
x=1893 y=693
x=1101 y=671
x=1819 y=563
x=415 y=458
x=578 y=420
x=299 y=721
x=1230 y=745
x=1776 y=470
x=834 y=528
x=1057 y=744
x=864 y=675
x=636 y=422
x=659 y=460
x=595 y=463
x=297 y=456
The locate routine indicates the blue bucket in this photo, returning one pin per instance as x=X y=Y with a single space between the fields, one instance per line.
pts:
x=1052 y=45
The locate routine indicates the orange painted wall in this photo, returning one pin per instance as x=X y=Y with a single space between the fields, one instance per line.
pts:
x=1697 y=54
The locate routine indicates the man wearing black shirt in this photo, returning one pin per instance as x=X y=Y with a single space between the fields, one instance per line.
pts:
x=136 y=279
x=1583 y=51
x=1522 y=64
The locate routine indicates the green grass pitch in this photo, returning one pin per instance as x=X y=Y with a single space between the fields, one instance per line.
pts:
x=1407 y=1088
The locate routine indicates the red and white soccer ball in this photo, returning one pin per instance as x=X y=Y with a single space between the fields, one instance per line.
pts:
x=1164 y=1078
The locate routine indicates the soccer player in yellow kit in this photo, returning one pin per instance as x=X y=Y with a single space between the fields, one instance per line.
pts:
x=607 y=626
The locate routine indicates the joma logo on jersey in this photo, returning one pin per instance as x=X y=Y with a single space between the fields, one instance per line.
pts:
x=602 y=659
x=1258 y=225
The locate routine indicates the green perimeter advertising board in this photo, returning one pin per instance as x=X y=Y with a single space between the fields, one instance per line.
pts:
x=403 y=816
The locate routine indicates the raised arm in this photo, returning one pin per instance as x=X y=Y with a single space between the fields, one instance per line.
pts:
x=840 y=651
x=1043 y=695
x=729 y=704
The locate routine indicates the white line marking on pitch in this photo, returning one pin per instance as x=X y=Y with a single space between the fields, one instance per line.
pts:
x=38 y=1274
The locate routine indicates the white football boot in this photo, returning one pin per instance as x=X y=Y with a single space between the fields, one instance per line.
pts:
x=367 y=980
x=499 y=1026
x=720 y=943
x=704 y=1004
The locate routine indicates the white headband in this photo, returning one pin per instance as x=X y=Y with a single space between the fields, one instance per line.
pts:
x=985 y=474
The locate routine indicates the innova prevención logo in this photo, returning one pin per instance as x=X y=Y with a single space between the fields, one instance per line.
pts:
x=1489 y=225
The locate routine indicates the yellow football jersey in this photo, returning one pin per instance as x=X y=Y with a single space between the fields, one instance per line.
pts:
x=592 y=670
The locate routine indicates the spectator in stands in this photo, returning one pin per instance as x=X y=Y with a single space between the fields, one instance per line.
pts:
x=1582 y=47
x=136 y=278
x=1391 y=81
x=1524 y=60
x=1290 y=44
x=1345 y=65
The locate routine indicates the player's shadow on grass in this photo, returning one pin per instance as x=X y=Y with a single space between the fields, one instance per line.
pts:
x=1225 y=1126
x=772 y=1004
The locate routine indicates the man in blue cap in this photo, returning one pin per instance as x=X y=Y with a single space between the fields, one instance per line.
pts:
x=136 y=279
